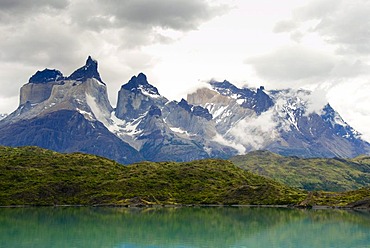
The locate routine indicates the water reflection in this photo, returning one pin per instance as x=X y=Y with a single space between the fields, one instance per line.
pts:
x=182 y=227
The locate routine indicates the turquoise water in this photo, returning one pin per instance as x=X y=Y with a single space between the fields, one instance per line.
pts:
x=182 y=227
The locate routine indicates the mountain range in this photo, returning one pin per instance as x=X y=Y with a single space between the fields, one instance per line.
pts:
x=73 y=113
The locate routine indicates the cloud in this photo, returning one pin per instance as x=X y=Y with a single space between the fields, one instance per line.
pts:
x=22 y=6
x=293 y=63
x=316 y=9
x=32 y=44
x=351 y=100
x=285 y=26
x=19 y=10
x=60 y=30
x=174 y=14
x=181 y=15
x=255 y=133
x=139 y=22
x=8 y=104
x=221 y=140
x=345 y=24
x=316 y=99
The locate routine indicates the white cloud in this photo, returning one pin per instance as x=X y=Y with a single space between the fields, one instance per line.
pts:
x=8 y=104
x=221 y=140
x=255 y=133
x=293 y=63
x=317 y=99
x=345 y=24
x=351 y=100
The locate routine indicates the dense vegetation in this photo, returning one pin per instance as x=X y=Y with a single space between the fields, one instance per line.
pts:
x=354 y=199
x=35 y=176
x=310 y=174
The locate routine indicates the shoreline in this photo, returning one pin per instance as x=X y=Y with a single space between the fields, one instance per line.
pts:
x=136 y=206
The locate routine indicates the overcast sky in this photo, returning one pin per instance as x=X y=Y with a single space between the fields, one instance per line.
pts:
x=179 y=44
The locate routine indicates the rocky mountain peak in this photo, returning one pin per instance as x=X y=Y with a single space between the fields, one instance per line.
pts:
x=340 y=127
x=256 y=100
x=89 y=70
x=46 y=76
x=136 y=97
x=185 y=105
x=139 y=84
x=224 y=88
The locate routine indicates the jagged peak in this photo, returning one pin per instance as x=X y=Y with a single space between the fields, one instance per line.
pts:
x=91 y=62
x=89 y=70
x=227 y=88
x=224 y=84
x=140 y=84
x=185 y=105
x=135 y=81
x=46 y=76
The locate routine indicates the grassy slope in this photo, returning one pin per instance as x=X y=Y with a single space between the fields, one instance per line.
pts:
x=359 y=198
x=309 y=174
x=34 y=176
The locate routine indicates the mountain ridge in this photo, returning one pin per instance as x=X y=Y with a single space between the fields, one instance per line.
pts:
x=216 y=122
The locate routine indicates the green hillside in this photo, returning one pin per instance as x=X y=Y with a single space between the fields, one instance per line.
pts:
x=310 y=174
x=359 y=198
x=35 y=176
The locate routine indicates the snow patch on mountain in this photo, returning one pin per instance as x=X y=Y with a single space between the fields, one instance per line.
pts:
x=88 y=116
x=289 y=106
x=100 y=113
x=179 y=130
x=148 y=92
x=131 y=128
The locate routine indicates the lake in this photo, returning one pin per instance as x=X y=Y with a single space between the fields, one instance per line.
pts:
x=182 y=227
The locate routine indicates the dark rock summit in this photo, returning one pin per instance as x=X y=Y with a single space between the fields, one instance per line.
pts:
x=89 y=70
x=46 y=76
x=139 y=84
x=136 y=97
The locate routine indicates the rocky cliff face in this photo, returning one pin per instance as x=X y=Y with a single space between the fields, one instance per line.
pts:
x=73 y=113
x=49 y=91
x=66 y=114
